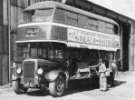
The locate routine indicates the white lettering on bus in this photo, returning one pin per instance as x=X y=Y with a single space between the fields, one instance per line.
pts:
x=92 y=38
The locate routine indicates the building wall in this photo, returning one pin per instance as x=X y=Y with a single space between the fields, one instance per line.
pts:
x=3 y=44
x=132 y=48
x=131 y=52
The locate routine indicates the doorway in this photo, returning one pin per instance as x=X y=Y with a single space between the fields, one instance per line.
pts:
x=126 y=28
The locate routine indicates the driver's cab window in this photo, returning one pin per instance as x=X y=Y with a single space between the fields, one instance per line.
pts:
x=25 y=52
x=33 y=52
x=59 y=54
x=51 y=54
x=55 y=54
x=22 y=50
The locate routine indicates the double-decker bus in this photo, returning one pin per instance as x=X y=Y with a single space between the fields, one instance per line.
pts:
x=56 y=43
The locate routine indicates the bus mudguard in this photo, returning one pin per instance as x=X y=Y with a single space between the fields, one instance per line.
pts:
x=52 y=75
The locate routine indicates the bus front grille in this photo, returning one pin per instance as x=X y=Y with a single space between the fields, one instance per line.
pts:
x=28 y=71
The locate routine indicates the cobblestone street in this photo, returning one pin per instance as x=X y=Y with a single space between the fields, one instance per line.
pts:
x=124 y=89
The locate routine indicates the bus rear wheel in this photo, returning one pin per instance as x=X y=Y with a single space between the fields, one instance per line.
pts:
x=57 y=87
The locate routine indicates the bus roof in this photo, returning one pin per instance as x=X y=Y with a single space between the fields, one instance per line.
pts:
x=52 y=4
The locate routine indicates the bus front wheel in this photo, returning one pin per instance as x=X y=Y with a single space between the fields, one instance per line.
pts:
x=57 y=87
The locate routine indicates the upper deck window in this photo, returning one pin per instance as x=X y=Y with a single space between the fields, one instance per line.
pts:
x=84 y=21
x=41 y=15
x=71 y=18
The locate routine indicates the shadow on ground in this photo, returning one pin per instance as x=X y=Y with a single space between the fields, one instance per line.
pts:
x=118 y=83
x=37 y=93
x=82 y=85
x=76 y=87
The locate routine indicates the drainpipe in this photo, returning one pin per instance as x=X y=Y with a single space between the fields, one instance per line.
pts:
x=9 y=31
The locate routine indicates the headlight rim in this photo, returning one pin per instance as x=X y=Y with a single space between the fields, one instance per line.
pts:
x=19 y=70
x=40 y=71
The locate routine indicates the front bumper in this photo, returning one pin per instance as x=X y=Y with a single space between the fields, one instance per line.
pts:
x=35 y=83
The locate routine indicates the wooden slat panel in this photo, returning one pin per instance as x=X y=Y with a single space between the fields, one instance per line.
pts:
x=1 y=12
x=22 y=3
x=134 y=47
x=14 y=2
x=131 y=48
x=20 y=15
x=5 y=40
x=1 y=48
x=5 y=69
x=5 y=13
x=14 y=19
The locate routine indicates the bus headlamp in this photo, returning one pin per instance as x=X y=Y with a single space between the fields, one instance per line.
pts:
x=40 y=71
x=19 y=70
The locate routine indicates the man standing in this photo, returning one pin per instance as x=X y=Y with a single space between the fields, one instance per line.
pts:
x=102 y=76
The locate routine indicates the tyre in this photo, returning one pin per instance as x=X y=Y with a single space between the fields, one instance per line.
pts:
x=18 y=89
x=57 y=87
